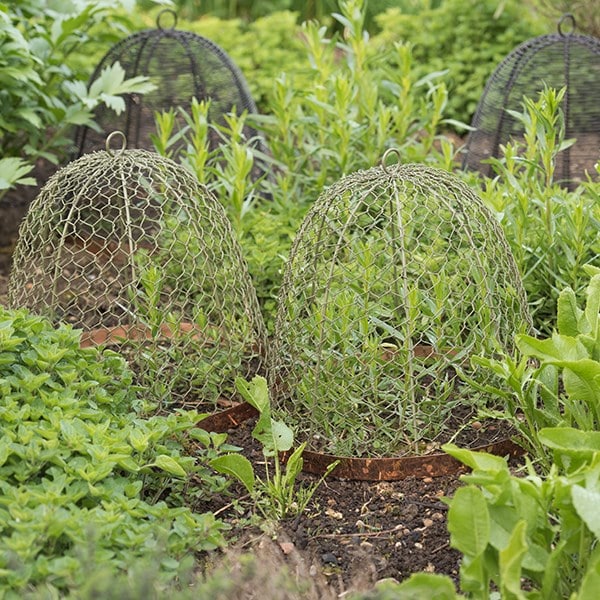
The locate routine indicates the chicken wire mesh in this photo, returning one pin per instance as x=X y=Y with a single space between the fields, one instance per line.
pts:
x=128 y=246
x=183 y=66
x=555 y=60
x=397 y=277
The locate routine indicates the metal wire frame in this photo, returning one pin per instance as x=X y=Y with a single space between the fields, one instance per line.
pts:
x=397 y=277
x=129 y=247
x=183 y=66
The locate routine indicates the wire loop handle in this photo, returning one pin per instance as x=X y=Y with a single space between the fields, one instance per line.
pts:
x=384 y=159
x=566 y=17
x=168 y=11
x=112 y=136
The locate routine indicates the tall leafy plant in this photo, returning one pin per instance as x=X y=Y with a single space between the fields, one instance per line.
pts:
x=464 y=38
x=553 y=232
x=555 y=382
x=42 y=96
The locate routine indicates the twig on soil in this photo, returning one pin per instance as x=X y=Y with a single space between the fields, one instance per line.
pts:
x=230 y=505
x=444 y=545
x=358 y=533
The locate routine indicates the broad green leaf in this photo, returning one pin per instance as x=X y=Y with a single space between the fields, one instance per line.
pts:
x=586 y=503
x=13 y=171
x=283 y=436
x=557 y=348
x=139 y=440
x=510 y=562
x=237 y=466
x=582 y=380
x=419 y=586
x=169 y=465
x=112 y=82
x=254 y=392
x=469 y=521
x=570 y=439
x=4 y=450
x=476 y=460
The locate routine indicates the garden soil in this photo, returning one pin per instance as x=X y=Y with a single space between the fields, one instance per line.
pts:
x=355 y=533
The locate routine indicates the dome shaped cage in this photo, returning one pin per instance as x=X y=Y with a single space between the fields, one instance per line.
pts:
x=128 y=246
x=556 y=60
x=183 y=66
x=397 y=277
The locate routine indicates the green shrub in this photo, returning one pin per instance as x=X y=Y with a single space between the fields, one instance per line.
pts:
x=553 y=232
x=80 y=469
x=585 y=13
x=466 y=38
x=42 y=97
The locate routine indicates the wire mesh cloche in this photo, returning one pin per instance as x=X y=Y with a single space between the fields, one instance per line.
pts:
x=128 y=246
x=555 y=60
x=397 y=277
x=183 y=66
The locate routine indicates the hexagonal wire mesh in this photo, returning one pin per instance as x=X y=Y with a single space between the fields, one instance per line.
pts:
x=397 y=276
x=555 y=60
x=183 y=66
x=130 y=247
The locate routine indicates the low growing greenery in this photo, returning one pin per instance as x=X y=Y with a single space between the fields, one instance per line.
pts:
x=80 y=467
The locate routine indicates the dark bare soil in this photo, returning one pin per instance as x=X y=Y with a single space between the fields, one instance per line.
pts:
x=355 y=533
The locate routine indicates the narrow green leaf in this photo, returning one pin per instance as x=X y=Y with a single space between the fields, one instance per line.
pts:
x=476 y=460
x=592 y=308
x=590 y=583
x=510 y=562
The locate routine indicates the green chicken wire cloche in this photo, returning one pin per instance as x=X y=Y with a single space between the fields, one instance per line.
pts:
x=129 y=247
x=397 y=277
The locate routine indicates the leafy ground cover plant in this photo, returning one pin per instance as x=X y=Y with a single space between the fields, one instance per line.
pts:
x=531 y=536
x=80 y=468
